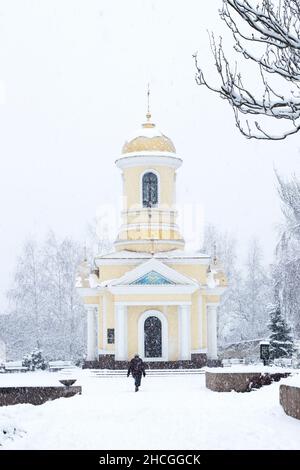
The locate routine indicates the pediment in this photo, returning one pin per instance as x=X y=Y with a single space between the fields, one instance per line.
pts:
x=153 y=273
x=152 y=278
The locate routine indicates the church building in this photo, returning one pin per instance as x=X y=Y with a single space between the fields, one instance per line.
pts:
x=150 y=296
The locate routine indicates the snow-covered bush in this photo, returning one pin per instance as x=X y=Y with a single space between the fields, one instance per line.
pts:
x=35 y=360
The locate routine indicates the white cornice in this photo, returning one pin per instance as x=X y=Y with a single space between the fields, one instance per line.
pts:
x=147 y=241
x=149 y=159
x=88 y=291
x=136 y=261
x=153 y=210
x=150 y=225
x=152 y=289
x=152 y=303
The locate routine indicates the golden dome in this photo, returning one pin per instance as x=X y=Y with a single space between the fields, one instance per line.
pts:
x=149 y=139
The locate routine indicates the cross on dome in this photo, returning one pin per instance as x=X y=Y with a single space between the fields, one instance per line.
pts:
x=148 y=138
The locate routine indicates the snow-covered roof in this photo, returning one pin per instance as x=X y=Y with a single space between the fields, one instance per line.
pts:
x=148 y=138
x=173 y=254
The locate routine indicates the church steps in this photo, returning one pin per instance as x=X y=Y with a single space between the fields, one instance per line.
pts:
x=106 y=373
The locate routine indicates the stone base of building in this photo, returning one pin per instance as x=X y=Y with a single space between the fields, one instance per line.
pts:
x=107 y=361
x=214 y=363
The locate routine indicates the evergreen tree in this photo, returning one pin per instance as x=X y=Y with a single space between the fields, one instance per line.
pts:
x=281 y=342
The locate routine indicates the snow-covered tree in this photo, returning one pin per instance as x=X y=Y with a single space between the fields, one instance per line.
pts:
x=45 y=309
x=267 y=34
x=27 y=301
x=66 y=318
x=230 y=310
x=281 y=342
x=286 y=270
x=256 y=293
x=98 y=239
x=242 y=310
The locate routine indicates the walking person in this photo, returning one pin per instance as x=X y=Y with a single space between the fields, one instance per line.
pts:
x=137 y=369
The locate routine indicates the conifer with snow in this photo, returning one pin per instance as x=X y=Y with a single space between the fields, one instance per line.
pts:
x=281 y=341
x=35 y=360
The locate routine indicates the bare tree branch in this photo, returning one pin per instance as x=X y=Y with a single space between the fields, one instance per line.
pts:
x=276 y=25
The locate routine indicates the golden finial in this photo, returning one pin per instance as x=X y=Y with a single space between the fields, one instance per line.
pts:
x=148 y=115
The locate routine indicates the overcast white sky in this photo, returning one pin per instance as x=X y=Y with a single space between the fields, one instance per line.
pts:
x=73 y=76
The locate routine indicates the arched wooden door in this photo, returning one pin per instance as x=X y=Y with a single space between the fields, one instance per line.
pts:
x=153 y=337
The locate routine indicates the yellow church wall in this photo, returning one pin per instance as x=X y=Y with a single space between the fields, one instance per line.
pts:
x=172 y=316
x=113 y=271
x=133 y=314
x=132 y=184
x=91 y=300
x=194 y=271
x=212 y=298
x=141 y=216
x=149 y=247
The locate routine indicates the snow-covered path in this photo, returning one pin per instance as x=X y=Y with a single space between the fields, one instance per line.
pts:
x=168 y=413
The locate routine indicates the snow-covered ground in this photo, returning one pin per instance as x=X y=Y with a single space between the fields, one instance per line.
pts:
x=167 y=413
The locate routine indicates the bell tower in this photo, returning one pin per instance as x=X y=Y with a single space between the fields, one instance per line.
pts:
x=148 y=163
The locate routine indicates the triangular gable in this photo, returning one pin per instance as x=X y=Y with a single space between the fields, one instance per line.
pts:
x=152 y=278
x=156 y=273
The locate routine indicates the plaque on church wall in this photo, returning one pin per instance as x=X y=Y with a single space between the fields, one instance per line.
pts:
x=110 y=335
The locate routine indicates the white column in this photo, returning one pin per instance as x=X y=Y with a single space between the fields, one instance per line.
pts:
x=184 y=312
x=104 y=329
x=121 y=333
x=212 y=348
x=92 y=343
x=200 y=323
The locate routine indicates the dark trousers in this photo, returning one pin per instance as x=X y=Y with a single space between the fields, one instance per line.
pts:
x=137 y=380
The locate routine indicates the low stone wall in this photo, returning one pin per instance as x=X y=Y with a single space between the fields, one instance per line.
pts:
x=289 y=397
x=35 y=395
x=240 y=381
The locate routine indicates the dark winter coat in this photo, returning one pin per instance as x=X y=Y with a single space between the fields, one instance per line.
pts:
x=136 y=367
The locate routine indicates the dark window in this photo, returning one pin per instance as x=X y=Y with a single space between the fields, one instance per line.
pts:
x=153 y=337
x=111 y=335
x=150 y=190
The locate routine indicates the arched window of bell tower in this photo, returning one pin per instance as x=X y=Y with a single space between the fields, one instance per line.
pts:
x=150 y=189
